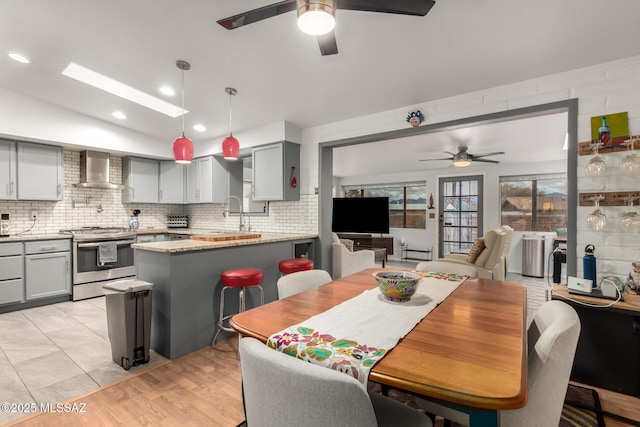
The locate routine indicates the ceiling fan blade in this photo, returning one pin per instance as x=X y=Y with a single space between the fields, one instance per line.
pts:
x=401 y=7
x=327 y=43
x=485 y=160
x=449 y=152
x=259 y=14
x=431 y=160
x=475 y=156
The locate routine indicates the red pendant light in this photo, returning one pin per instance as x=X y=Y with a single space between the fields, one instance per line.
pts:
x=230 y=145
x=182 y=146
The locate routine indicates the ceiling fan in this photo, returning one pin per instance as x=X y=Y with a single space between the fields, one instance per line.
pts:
x=463 y=158
x=317 y=17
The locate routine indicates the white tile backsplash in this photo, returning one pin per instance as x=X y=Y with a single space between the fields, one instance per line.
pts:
x=82 y=207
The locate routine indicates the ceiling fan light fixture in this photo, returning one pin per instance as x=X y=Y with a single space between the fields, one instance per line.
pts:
x=316 y=17
x=461 y=160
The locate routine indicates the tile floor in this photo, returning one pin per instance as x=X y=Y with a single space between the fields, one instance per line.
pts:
x=52 y=353
x=56 y=352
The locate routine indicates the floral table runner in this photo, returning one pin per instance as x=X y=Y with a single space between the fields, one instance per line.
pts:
x=352 y=336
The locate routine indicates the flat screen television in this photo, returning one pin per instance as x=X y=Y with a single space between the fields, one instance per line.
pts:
x=360 y=215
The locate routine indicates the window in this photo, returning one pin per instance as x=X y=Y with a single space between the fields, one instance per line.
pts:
x=407 y=202
x=534 y=203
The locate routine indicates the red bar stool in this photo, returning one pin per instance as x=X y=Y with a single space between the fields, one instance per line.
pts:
x=294 y=265
x=237 y=278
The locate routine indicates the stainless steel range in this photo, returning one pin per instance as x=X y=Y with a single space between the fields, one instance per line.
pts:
x=100 y=255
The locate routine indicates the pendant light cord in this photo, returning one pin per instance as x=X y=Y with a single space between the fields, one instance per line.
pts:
x=230 y=96
x=183 y=112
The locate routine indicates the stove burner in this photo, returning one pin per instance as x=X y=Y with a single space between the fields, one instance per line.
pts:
x=95 y=230
x=99 y=233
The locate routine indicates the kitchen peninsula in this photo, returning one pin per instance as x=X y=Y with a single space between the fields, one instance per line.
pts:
x=186 y=275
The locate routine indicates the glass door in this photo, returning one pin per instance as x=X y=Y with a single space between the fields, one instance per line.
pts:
x=460 y=213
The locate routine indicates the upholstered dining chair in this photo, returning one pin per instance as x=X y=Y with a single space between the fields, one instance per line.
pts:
x=552 y=338
x=485 y=255
x=280 y=390
x=300 y=281
x=447 y=267
x=346 y=262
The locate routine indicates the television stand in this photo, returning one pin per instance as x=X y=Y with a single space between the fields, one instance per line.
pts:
x=367 y=241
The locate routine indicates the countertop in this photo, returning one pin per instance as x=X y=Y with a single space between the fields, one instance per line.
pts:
x=176 y=246
x=27 y=237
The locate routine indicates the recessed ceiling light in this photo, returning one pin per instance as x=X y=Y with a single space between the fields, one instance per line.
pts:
x=19 y=58
x=199 y=128
x=119 y=115
x=166 y=90
x=120 y=89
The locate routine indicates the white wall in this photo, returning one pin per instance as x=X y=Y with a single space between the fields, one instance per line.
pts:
x=602 y=89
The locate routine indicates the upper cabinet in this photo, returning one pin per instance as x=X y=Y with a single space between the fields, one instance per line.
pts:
x=276 y=172
x=39 y=172
x=140 y=176
x=172 y=182
x=7 y=170
x=207 y=180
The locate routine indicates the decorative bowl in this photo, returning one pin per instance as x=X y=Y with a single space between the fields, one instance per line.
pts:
x=397 y=285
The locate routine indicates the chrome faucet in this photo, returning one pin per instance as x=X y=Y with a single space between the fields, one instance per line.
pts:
x=225 y=210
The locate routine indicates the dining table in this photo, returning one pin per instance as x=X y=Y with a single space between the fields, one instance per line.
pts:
x=469 y=353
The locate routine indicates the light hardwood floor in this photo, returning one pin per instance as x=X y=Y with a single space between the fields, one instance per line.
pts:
x=201 y=388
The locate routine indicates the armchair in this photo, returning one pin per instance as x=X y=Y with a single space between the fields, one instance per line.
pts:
x=346 y=262
x=490 y=262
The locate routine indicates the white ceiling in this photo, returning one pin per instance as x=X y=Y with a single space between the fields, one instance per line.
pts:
x=385 y=61
x=534 y=139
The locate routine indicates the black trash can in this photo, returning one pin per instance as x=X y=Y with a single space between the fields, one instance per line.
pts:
x=129 y=321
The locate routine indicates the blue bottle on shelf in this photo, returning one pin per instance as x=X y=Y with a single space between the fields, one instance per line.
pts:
x=589 y=265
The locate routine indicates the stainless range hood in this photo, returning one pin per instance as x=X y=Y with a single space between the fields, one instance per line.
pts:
x=94 y=171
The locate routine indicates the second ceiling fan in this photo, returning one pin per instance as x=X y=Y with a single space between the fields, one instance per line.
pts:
x=317 y=17
x=463 y=158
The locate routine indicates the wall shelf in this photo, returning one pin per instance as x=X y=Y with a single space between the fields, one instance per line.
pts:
x=611 y=198
x=584 y=148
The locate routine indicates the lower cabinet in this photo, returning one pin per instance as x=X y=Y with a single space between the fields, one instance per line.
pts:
x=47 y=266
x=11 y=276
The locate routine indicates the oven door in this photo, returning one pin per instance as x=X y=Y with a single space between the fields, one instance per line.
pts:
x=87 y=267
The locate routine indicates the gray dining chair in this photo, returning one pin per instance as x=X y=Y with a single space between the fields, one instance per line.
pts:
x=553 y=338
x=301 y=281
x=447 y=267
x=286 y=391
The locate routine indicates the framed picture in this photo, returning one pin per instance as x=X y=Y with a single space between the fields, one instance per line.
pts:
x=618 y=125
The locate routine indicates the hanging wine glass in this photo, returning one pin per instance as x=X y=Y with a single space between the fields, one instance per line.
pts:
x=630 y=165
x=629 y=220
x=596 y=165
x=596 y=219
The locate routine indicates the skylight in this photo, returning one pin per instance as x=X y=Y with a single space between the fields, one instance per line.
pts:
x=120 y=89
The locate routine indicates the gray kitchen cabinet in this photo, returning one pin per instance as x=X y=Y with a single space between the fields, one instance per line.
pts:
x=274 y=165
x=39 y=173
x=172 y=182
x=11 y=273
x=47 y=267
x=140 y=176
x=207 y=180
x=149 y=238
x=7 y=170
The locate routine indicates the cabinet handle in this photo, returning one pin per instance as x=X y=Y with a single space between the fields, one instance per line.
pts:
x=47 y=248
x=12 y=191
x=59 y=189
x=160 y=195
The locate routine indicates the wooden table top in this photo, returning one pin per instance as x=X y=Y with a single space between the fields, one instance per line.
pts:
x=469 y=351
